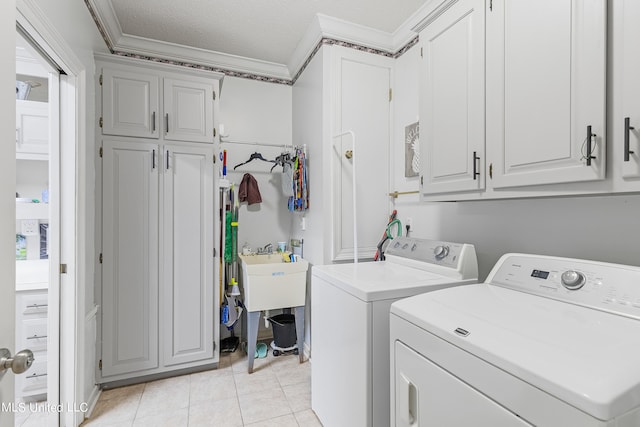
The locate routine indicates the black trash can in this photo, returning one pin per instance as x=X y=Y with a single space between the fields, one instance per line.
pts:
x=284 y=330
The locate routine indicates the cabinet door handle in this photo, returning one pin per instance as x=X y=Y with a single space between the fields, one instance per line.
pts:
x=590 y=136
x=475 y=165
x=167 y=159
x=153 y=159
x=627 y=131
x=153 y=121
x=167 y=126
x=35 y=337
x=34 y=375
x=37 y=305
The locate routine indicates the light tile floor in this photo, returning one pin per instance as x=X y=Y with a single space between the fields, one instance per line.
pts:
x=278 y=393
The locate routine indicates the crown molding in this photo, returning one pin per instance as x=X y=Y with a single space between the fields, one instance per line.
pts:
x=186 y=54
x=338 y=29
x=429 y=12
x=107 y=20
x=322 y=30
x=306 y=48
x=121 y=43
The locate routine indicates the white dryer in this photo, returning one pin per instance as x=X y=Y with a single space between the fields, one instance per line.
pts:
x=545 y=341
x=350 y=324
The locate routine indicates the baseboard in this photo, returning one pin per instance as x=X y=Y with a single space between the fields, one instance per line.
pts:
x=92 y=401
x=307 y=351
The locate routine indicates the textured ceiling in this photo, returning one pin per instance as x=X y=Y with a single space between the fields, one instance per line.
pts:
x=267 y=30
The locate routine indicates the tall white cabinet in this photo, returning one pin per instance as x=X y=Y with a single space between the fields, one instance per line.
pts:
x=360 y=103
x=158 y=292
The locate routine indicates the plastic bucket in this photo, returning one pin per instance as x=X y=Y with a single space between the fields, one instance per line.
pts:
x=284 y=330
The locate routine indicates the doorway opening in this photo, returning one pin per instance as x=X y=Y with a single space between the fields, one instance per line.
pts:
x=37 y=231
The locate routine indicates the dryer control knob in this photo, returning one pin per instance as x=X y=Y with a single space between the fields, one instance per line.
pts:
x=441 y=252
x=573 y=280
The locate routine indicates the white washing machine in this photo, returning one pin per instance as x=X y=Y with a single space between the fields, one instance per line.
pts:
x=545 y=341
x=350 y=324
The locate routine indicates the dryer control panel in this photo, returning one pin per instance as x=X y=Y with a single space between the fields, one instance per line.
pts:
x=448 y=258
x=608 y=287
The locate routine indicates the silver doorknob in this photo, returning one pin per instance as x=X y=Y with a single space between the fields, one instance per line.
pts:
x=19 y=363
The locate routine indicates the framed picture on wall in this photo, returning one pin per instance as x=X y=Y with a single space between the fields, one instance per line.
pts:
x=412 y=150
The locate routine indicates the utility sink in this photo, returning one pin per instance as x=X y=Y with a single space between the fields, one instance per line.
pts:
x=270 y=283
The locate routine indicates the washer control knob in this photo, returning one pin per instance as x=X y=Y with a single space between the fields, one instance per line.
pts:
x=441 y=251
x=573 y=280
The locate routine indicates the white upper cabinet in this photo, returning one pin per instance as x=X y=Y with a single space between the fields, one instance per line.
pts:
x=546 y=90
x=452 y=100
x=145 y=103
x=627 y=49
x=32 y=129
x=188 y=111
x=130 y=103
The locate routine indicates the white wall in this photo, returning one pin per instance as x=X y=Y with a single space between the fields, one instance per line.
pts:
x=32 y=176
x=254 y=111
x=308 y=110
x=602 y=228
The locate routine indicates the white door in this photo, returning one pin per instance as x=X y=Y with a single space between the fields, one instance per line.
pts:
x=546 y=82
x=32 y=128
x=362 y=105
x=452 y=100
x=130 y=257
x=188 y=111
x=7 y=209
x=629 y=69
x=130 y=105
x=187 y=253
x=427 y=395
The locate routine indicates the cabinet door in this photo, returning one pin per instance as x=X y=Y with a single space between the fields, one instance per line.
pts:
x=362 y=105
x=187 y=267
x=32 y=128
x=130 y=104
x=188 y=109
x=629 y=71
x=452 y=100
x=130 y=257
x=546 y=63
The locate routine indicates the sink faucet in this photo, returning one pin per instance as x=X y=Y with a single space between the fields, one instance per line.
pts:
x=268 y=249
